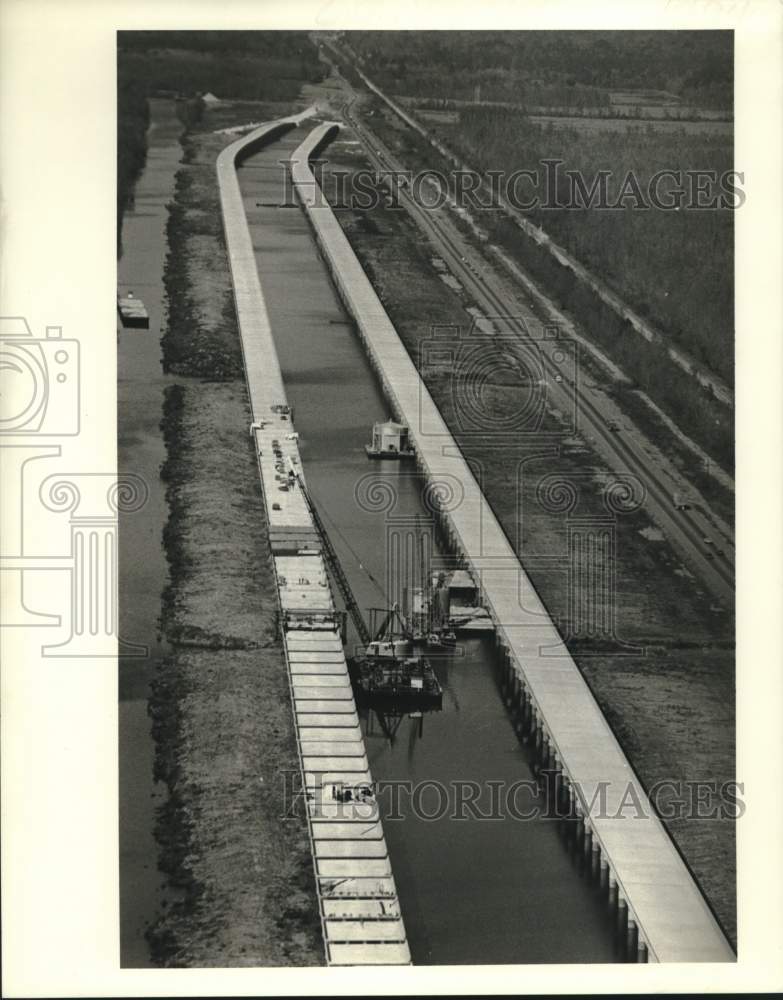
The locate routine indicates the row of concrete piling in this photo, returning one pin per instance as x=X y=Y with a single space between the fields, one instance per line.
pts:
x=563 y=805
x=577 y=834
x=561 y=801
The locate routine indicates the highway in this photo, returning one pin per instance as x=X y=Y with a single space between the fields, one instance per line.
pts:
x=692 y=530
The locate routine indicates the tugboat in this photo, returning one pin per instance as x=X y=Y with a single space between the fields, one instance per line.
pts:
x=393 y=671
x=390 y=440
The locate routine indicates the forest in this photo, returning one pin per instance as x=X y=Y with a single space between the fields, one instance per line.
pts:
x=551 y=67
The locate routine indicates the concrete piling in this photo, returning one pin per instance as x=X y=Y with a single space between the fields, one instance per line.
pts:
x=563 y=798
x=580 y=833
x=622 y=922
x=587 y=844
x=632 y=941
x=613 y=896
x=595 y=863
x=603 y=878
x=527 y=721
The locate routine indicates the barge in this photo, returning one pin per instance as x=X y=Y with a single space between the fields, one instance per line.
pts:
x=393 y=671
x=133 y=312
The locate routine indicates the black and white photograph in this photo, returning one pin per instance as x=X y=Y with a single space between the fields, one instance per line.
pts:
x=401 y=517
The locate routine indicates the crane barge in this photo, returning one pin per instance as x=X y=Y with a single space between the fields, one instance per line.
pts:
x=391 y=671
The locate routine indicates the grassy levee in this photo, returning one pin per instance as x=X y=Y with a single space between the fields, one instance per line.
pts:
x=238 y=864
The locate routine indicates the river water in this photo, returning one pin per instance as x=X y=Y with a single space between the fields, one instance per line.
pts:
x=499 y=890
x=142 y=566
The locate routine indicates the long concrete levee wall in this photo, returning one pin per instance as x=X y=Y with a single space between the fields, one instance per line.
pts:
x=357 y=895
x=647 y=882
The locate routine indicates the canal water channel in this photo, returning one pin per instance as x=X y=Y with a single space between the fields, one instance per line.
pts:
x=142 y=565
x=473 y=890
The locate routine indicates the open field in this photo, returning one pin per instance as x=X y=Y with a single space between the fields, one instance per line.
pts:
x=674 y=267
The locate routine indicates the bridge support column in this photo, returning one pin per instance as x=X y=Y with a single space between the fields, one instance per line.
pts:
x=595 y=863
x=613 y=896
x=603 y=878
x=632 y=945
x=622 y=922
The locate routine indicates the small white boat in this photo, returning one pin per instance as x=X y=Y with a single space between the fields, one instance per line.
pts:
x=390 y=440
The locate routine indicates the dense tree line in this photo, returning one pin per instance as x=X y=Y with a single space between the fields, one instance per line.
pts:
x=244 y=65
x=521 y=65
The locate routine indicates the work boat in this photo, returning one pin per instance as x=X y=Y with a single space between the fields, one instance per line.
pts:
x=390 y=440
x=393 y=671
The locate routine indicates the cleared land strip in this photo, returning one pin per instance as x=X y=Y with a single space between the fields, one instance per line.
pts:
x=672 y=916
x=360 y=912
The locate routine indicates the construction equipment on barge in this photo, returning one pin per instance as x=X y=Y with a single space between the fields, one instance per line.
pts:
x=391 y=672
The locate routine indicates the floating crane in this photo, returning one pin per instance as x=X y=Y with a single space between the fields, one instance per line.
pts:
x=392 y=671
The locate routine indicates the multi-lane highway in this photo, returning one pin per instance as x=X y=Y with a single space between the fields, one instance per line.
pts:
x=704 y=543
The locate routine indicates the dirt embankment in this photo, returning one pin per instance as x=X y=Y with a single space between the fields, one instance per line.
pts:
x=666 y=680
x=239 y=868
